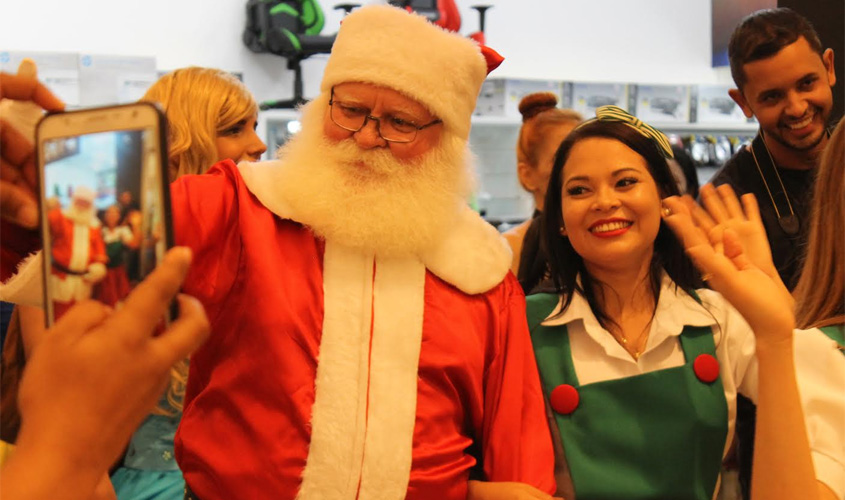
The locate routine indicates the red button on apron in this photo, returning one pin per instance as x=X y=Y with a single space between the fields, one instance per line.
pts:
x=564 y=399
x=706 y=368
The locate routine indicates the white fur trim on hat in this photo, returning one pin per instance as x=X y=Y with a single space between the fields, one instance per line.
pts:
x=393 y=48
x=83 y=193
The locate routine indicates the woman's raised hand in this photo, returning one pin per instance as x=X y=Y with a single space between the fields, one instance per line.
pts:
x=720 y=251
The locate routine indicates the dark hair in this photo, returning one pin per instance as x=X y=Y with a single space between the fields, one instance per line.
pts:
x=565 y=265
x=687 y=165
x=763 y=34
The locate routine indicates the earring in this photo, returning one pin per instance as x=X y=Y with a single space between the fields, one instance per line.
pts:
x=563 y=231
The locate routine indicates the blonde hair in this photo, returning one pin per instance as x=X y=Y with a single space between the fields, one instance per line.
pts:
x=199 y=103
x=820 y=293
x=540 y=114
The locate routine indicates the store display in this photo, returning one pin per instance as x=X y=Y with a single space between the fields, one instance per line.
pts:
x=59 y=71
x=662 y=103
x=586 y=97
x=714 y=105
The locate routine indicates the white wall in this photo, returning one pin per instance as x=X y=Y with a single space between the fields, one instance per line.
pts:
x=640 y=41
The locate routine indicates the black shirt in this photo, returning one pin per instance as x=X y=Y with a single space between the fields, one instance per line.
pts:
x=742 y=174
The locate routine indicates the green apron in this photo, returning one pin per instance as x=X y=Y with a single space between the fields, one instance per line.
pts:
x=835 y=332
x=658 y=435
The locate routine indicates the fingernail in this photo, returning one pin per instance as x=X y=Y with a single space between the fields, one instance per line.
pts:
x=28 y=216
x=180 y=253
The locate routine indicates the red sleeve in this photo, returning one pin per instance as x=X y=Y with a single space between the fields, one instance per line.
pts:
x=204 y=212
x=54 y=219
x=517 y=444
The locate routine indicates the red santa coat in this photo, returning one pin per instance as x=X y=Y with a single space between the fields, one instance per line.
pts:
x=67 y=250
x=74 y=246
x=247 y=423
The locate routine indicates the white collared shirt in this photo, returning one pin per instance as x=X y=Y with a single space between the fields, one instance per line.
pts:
x=820 y=367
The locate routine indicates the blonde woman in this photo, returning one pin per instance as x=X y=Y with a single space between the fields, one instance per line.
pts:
x=211 y=116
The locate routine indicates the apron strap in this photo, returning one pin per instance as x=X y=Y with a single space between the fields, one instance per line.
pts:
x=837 y=333
x=551 y=345
x=696 y=340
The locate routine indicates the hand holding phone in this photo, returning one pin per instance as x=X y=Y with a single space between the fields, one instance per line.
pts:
x=105 y=216
x=18 y=199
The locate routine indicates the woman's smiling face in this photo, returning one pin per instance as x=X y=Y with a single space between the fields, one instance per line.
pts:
x=610 y=204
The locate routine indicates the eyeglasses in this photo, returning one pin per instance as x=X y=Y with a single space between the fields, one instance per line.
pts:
x=353 y=118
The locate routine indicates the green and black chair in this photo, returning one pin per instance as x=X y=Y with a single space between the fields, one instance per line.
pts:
x=289 y=29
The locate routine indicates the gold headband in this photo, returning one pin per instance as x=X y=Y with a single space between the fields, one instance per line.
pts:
x=616 y=114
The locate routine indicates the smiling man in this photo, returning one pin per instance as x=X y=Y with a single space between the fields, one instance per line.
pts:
x=784 y=78
x=368 y=340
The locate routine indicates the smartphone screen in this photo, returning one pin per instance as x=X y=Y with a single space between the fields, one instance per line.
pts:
x=105 y=204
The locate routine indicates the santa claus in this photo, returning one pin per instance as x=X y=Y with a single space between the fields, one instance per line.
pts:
x=77 y=250
x=368 y=340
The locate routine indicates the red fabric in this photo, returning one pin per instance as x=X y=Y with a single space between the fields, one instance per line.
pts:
x=245 y=428
x=493 y=58
x=114 y=287
x=450 y=16
x=17 y=244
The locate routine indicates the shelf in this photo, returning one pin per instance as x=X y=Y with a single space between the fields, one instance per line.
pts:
x=669 y=127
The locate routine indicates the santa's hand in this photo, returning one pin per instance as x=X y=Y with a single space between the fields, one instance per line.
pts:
x=95 y=273
x=729 y=270
x=18 y=201
x=483 y=490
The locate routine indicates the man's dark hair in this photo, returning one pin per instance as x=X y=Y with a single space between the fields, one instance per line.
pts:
x=763 y=34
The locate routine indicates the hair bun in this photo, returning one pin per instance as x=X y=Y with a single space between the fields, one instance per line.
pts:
x=535 y=103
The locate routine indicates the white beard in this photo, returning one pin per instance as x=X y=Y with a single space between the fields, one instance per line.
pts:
x=85 y=216
x=367 y=199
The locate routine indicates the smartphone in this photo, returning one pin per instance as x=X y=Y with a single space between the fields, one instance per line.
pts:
x=105 y=204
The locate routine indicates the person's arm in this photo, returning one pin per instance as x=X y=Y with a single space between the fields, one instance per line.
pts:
x=32 y=327
x=205 y=219
x=516 y=448
x=783 y=466
x=91 y=381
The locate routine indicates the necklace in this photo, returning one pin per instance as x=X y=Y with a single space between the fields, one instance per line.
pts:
x=623 y=341
x=789 y=223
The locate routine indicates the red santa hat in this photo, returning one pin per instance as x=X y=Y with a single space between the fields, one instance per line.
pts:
x=394 y=48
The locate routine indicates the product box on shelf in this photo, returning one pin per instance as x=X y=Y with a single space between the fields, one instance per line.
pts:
x=662 y=103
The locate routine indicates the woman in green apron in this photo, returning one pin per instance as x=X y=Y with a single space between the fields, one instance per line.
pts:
x=641 y=367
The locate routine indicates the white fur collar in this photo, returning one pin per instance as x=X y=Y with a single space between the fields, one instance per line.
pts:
x=26 y=286
x=473 y=256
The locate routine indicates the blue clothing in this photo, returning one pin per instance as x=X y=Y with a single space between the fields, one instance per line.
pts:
x=149 y=468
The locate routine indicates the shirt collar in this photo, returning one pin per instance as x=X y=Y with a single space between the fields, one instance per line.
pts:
x=675 y=309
